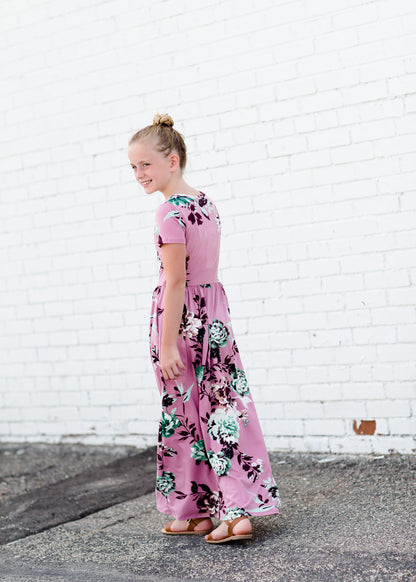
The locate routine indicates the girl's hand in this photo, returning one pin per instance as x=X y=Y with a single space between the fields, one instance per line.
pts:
x=171 y=363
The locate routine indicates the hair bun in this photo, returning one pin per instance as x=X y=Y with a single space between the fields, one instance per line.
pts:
x=163 y=119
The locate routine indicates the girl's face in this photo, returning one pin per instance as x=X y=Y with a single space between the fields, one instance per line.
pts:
x=152 y=169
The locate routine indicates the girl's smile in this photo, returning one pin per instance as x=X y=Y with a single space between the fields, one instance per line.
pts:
x=156 y=171
x=151 y=168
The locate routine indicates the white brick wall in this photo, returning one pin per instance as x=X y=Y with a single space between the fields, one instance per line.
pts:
x=300 y=119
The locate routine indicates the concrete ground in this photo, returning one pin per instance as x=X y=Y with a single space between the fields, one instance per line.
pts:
x=73 y=513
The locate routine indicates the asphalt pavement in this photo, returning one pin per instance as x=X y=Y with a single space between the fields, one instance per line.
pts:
x=74 y=513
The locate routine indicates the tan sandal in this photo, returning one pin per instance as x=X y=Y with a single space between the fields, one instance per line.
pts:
x=230 y=537
x=190 y=530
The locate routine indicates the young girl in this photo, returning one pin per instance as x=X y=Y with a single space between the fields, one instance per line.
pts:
x=211 y=456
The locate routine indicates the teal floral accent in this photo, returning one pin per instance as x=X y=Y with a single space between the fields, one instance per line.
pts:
x=219 y=462
x=223 y=427
x=234 y=512
x=185 y=396
x=244 y=416
x=239 y=382
x=218 y=334
x=176 y=214
x=198 y=451
x=207 y=285
x=199 y=373
x=178 y=200
x=165 y=483
x=169 y=423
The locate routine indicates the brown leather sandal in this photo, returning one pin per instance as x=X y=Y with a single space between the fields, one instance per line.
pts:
x=190 y=530
x=231 y=537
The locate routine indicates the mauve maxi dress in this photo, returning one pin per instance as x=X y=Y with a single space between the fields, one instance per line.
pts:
x=211 y=455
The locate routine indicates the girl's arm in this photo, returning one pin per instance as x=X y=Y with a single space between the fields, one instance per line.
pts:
x=174 y=265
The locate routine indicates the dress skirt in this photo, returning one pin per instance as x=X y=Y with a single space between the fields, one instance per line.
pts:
x=211 y=455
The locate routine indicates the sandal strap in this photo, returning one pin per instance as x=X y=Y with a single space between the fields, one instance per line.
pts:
x=191 y=524
x=167 y=526
x=194 y=522
x=232 y=523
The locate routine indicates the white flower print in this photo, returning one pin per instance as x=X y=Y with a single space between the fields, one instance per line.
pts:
x=190 y=325
x=223 y=426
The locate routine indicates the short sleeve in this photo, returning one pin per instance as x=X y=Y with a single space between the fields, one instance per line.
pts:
x=170 y=227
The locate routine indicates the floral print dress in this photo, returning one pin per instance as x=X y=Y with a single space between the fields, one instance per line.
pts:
x=211 y=455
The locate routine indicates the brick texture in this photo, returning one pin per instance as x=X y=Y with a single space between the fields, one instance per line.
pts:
x=300 y=120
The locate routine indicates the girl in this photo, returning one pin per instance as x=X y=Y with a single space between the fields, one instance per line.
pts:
x=211 y=455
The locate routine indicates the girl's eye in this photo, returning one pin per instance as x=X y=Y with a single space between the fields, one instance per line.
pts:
x=146 y=164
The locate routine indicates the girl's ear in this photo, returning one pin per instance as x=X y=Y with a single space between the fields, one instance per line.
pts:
x=174 y=161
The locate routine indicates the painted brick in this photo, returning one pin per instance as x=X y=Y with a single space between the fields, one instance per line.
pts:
x=403 y=389
x=358 y=445
x=268 y=412
x=344 y=409
x=278 y=443
x=294 y=410
x=398 y=315
x=310 y=443
x=324 y=427
x=388 y=408
x=286 y=427
x=320 y=392
x=388 y=444
x=402 y=426
x=362 y=391
x=307 y=145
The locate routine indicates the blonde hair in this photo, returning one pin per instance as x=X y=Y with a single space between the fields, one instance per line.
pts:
x=167 y=139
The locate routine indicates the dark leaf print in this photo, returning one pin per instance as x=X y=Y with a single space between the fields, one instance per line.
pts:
x=274 y=492
x=164 y=451
x=206 y=499
x=167 y=400
x=155 y=355
x=205 y=418
x=188 y=430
